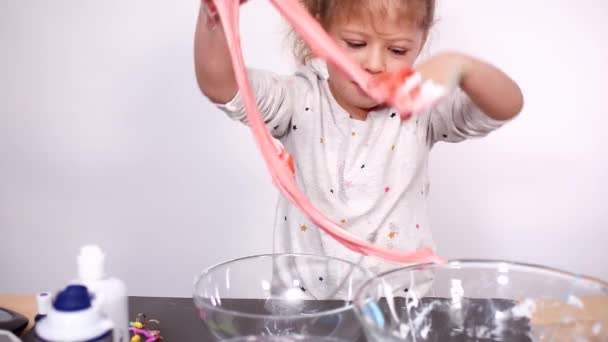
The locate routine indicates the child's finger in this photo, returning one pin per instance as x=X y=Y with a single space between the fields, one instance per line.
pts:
x=409 y=91
x=210 y=12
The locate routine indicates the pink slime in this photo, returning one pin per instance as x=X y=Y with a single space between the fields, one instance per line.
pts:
x=277 y=159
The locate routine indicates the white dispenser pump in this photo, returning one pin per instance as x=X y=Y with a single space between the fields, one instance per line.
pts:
x=110 y=294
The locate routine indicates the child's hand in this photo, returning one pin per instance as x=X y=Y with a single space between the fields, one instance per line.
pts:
x=413 y=90
x=488 y=87
x=211 y=16
x=446 y=69
x=210 y=13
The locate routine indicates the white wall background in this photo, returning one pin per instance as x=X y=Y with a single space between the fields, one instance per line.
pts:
x=105 y=138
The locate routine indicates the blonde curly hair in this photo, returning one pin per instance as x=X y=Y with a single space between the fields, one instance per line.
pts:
x=421 y=12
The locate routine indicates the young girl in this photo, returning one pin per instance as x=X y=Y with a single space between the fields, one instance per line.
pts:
x=355 y=159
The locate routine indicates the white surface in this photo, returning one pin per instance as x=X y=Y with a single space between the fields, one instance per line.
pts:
x=105 y=138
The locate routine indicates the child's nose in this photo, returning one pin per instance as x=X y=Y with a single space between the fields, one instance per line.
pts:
x=374 y=62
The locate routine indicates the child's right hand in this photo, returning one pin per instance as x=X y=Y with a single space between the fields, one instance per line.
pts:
x=210 y=13
x=211 y=16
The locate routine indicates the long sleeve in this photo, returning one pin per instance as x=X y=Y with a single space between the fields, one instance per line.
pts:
x=274 y=95
x=457 y=118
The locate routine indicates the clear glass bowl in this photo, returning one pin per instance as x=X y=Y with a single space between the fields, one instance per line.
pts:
x=280 y=295
x=293 y=338
x=476 y=300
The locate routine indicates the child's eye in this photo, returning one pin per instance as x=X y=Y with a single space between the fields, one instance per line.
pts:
x=354 y=44
x=398 y=51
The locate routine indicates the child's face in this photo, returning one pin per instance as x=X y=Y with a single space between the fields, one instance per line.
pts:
x=378 y=45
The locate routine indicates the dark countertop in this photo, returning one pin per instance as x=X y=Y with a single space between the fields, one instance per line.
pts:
x=178 y=317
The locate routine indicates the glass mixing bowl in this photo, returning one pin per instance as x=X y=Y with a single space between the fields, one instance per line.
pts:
x=482 y=300
x=280 y=295
x=293 y=338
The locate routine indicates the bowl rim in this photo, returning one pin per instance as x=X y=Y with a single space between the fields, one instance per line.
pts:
x=359 y=298
x=349 y=306
x=291 y=338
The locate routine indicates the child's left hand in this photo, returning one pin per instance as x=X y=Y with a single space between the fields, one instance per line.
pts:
x=446 y=69
x=489 y=88
x=411 y=91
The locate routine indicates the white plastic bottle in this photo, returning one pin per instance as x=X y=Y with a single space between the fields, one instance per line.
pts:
x=72 y=318
x=110 y=294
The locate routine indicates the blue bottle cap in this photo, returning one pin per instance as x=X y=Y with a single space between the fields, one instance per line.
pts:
x=73 y=298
